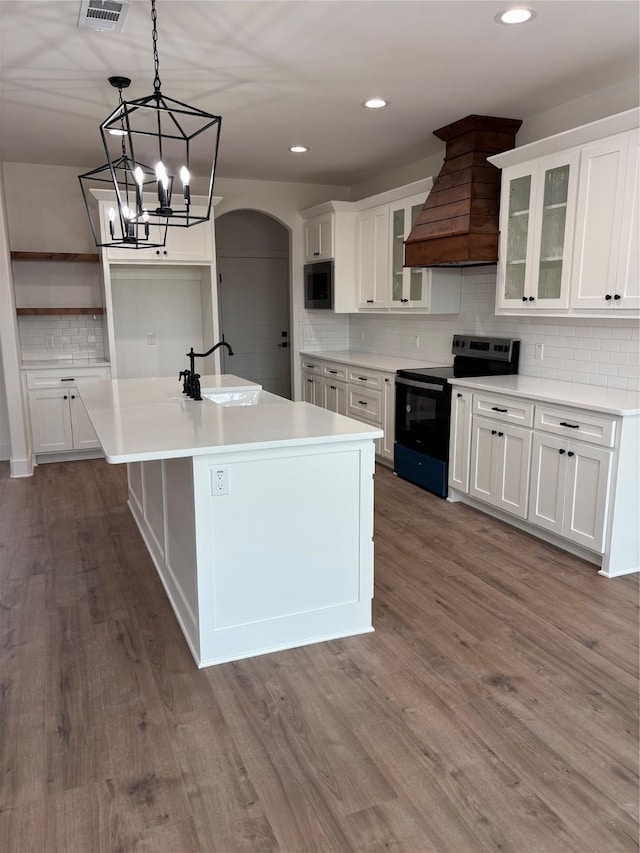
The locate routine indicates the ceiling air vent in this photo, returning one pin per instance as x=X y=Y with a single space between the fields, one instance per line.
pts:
x=107 y=15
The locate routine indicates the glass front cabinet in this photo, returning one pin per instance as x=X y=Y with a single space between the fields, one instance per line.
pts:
x=536 y=230
x=408 y=285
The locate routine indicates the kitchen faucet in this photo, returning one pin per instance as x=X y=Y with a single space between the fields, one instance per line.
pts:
x=191 y=384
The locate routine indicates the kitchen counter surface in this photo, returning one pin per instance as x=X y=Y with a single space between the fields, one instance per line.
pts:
x=388 y=363
x=65 y=363
x=144 y=419
x=592 y=397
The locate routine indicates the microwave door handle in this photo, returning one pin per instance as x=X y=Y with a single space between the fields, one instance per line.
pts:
x=428 y=386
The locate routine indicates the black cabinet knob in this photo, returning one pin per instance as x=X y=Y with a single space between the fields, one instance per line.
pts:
x=73 y=396
x=608 y=297
x=500 y=434
x=617 y=296
x=494 y=432
x=524 y=298
x=164 y=252
x=561 y=452
x=531 y=298
x=157 y=251
x=459 y=395
x=571 y=453
x=65 y=397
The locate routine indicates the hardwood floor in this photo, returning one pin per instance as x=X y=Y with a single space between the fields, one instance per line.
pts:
x=494 y=708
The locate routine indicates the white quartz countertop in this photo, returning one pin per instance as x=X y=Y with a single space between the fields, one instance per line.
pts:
x=64 y=363
x=389 y=363
x=592 y=397
x=143 y=419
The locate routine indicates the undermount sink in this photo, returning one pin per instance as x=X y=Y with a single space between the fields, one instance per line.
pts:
x=245 y=397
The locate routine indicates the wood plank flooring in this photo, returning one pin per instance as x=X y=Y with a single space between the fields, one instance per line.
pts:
x=494 y=708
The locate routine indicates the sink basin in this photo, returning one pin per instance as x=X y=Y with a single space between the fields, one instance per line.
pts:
x=234 y=398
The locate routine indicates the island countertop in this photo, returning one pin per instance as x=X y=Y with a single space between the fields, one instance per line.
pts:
x=143 y=419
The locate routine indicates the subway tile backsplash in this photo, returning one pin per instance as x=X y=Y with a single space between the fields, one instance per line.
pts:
x=592 y=352
x=72 y=337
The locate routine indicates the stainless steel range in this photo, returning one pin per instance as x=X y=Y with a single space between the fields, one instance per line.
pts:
x=423 y=406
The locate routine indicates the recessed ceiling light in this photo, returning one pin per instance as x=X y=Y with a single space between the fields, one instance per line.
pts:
x=517 y=15
x=375 y=103
x=298 y=149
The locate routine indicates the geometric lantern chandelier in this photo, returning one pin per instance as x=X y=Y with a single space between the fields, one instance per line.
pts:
x=152 y=144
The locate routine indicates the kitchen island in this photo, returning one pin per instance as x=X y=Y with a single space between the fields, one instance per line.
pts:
x=256 y=511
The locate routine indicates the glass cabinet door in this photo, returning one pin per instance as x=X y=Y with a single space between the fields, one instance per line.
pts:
x=552 y=232
x=397 y=254
x=517 y=237
x=416 y=274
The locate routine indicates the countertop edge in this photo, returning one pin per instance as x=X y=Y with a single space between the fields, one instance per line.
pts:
x=485 y=384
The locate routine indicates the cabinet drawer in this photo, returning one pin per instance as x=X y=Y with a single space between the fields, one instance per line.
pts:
x=366 y=378
x=572 y=423
x=334 y=371
x=507 y=409
x=63 y=378
x=364 y=404
x=312 y=365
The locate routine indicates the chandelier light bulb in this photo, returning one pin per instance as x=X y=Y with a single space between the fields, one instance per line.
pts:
x=112 y=216
x=138 y=174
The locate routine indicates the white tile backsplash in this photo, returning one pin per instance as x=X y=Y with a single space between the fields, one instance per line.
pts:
x=597 y=352
x=69 y=336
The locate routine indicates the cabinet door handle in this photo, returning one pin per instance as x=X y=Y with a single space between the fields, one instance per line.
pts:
x=561 y=452
x=571 y=453
x=500 y=434
x=309 y=380
x=494 y=432
x=496 y=409
x=334 y=372
x=333 y=387
x=73 y=396
x=157 y=251
x=71 y=379
x=617 y=296
x=369 y=301
x=404 y=300
x=65 y=397
x=362 y=378
x=608 y=297
x=524 y=298
x=362 y=402
x=571 y=426
x=459 y=395
x=531 y=298
x=315 y=254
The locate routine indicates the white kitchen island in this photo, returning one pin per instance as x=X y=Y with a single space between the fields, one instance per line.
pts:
x=257 y=511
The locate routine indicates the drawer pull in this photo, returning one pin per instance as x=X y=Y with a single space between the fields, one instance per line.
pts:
x=363 y=378
x=497 y=409
x=71 y=379
x=362 y=403
x=571 y=426
x=333 y=371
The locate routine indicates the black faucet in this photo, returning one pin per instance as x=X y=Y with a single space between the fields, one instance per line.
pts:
x=191 y=385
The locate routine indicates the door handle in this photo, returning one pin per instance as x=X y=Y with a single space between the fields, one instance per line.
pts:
x=283 y=345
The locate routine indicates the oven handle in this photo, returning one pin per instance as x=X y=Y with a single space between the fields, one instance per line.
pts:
x=428 y=386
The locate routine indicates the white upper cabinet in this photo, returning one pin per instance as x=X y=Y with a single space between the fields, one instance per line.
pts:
x=183 y=245
x=605 y=270
x=373 y=258
x=318 y=238
x=536 y=224
x=569 y=223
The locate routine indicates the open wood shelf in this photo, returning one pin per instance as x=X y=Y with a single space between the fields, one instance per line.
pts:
x=32 y=311
x=87 y=257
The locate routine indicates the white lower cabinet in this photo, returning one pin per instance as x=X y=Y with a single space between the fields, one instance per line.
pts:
x=360 y=393
x=460 y=440
x=500 y=459
x=570 y=483
x=569 y=470
x=59 y=421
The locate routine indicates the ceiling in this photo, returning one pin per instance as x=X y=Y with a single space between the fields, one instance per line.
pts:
x=284 y=73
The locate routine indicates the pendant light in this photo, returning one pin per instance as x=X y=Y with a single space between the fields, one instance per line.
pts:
x=175 y=139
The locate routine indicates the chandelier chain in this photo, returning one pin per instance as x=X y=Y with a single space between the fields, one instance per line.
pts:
x=154 y=35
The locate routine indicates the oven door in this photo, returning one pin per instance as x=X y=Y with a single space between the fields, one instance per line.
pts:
x=422 y=417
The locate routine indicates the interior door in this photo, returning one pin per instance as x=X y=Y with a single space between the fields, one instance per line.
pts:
x=254 y=318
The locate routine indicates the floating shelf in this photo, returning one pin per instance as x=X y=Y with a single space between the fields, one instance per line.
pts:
x=53 y=311
x=87 y=257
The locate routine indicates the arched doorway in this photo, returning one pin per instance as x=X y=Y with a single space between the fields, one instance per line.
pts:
x=252 y=252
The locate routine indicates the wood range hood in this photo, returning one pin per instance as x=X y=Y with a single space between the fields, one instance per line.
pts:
x=458 y=225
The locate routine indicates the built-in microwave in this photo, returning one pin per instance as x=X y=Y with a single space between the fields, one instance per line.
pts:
x=318 y=285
